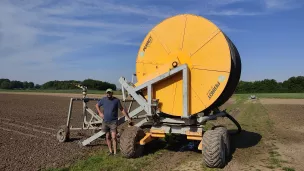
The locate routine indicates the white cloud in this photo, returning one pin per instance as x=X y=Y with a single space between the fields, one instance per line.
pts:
x=266 y=7
x=283 y=4
x=150 y=11
x=21 y=27
x=35 y=34
x=234 y=12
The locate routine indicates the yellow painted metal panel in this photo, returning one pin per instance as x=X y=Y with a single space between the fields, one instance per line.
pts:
x=194 y=138
x=148 y=138
x=215 y=55
x=210 y=86
x=166 y=92
x=171 y=33
x=158 y=135
x=186 y=39
x=151 y=54
x=197 y=33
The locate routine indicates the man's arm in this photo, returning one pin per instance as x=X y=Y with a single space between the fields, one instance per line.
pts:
x=123 y=111
x=98 y=108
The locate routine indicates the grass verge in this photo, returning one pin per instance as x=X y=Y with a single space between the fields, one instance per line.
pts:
x=101 y=161
x=257 y=123
x=255 y=147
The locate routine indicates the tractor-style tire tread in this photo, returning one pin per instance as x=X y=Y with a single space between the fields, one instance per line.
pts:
x=213 y=147
x=129 y=142
x=226 y=138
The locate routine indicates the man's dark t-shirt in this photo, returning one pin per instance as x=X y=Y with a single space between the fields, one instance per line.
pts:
x=111 y=107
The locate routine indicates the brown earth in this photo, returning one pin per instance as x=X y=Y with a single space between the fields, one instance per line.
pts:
x=28 y=126
x=260 y=148
x=281 y=147
x=282 y=101
x=289 y=130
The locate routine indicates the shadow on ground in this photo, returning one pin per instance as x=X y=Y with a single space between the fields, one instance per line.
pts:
x=245 y=139
x=176 y=143
x=179 y=143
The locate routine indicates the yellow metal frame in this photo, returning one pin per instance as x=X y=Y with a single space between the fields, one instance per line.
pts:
x=152 y=135
x=161 y=134
x=194 y=135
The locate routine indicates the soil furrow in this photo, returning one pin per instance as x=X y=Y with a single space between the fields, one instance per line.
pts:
x=27 y=128
x=36 y=126
x=19 y=132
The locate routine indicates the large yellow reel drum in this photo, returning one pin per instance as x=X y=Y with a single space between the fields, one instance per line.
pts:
x=213 y=61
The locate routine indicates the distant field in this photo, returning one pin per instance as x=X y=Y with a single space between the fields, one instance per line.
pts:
x=275 y=95
x=59 y=91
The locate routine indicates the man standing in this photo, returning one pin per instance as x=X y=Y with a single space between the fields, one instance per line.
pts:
x=110 y=105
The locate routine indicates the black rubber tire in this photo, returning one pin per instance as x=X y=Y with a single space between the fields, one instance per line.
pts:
x=226 y=138
x=129 y=142
x=213 y=149
x=63 y=134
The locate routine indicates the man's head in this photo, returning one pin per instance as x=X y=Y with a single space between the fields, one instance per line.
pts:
x=109 y=92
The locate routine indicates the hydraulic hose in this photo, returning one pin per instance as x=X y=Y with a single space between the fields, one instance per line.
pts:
x=234 y=121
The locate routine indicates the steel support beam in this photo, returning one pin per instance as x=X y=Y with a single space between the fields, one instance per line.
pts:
x=185 y=93
x=161 y=77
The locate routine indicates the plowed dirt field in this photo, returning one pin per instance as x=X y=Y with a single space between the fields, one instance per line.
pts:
x=271 y=140
x=28 y=126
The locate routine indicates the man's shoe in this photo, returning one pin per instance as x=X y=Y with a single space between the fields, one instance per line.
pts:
x=109 y=153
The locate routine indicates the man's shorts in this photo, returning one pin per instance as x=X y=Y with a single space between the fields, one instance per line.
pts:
x=109 y=126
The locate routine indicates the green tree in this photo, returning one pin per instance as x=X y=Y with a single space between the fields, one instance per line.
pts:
x=4 y=79
x=37 y=86
x=5 y=85
x=31 y=85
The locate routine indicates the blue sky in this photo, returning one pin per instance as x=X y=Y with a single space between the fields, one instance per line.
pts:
x=99 y=39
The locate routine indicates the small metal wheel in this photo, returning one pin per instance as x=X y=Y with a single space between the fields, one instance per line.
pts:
x=63 y=134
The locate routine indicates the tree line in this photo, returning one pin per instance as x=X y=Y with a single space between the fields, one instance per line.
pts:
x=292 y=85
x=56 y=85
x=8 y=84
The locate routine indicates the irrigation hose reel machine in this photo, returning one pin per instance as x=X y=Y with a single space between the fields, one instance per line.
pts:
x=186 y=68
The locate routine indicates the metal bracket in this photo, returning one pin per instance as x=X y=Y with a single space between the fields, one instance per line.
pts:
x=148 y=103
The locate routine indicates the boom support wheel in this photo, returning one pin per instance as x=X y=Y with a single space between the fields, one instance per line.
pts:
x=129 y=142
x=63 y=134
x=214 y=149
